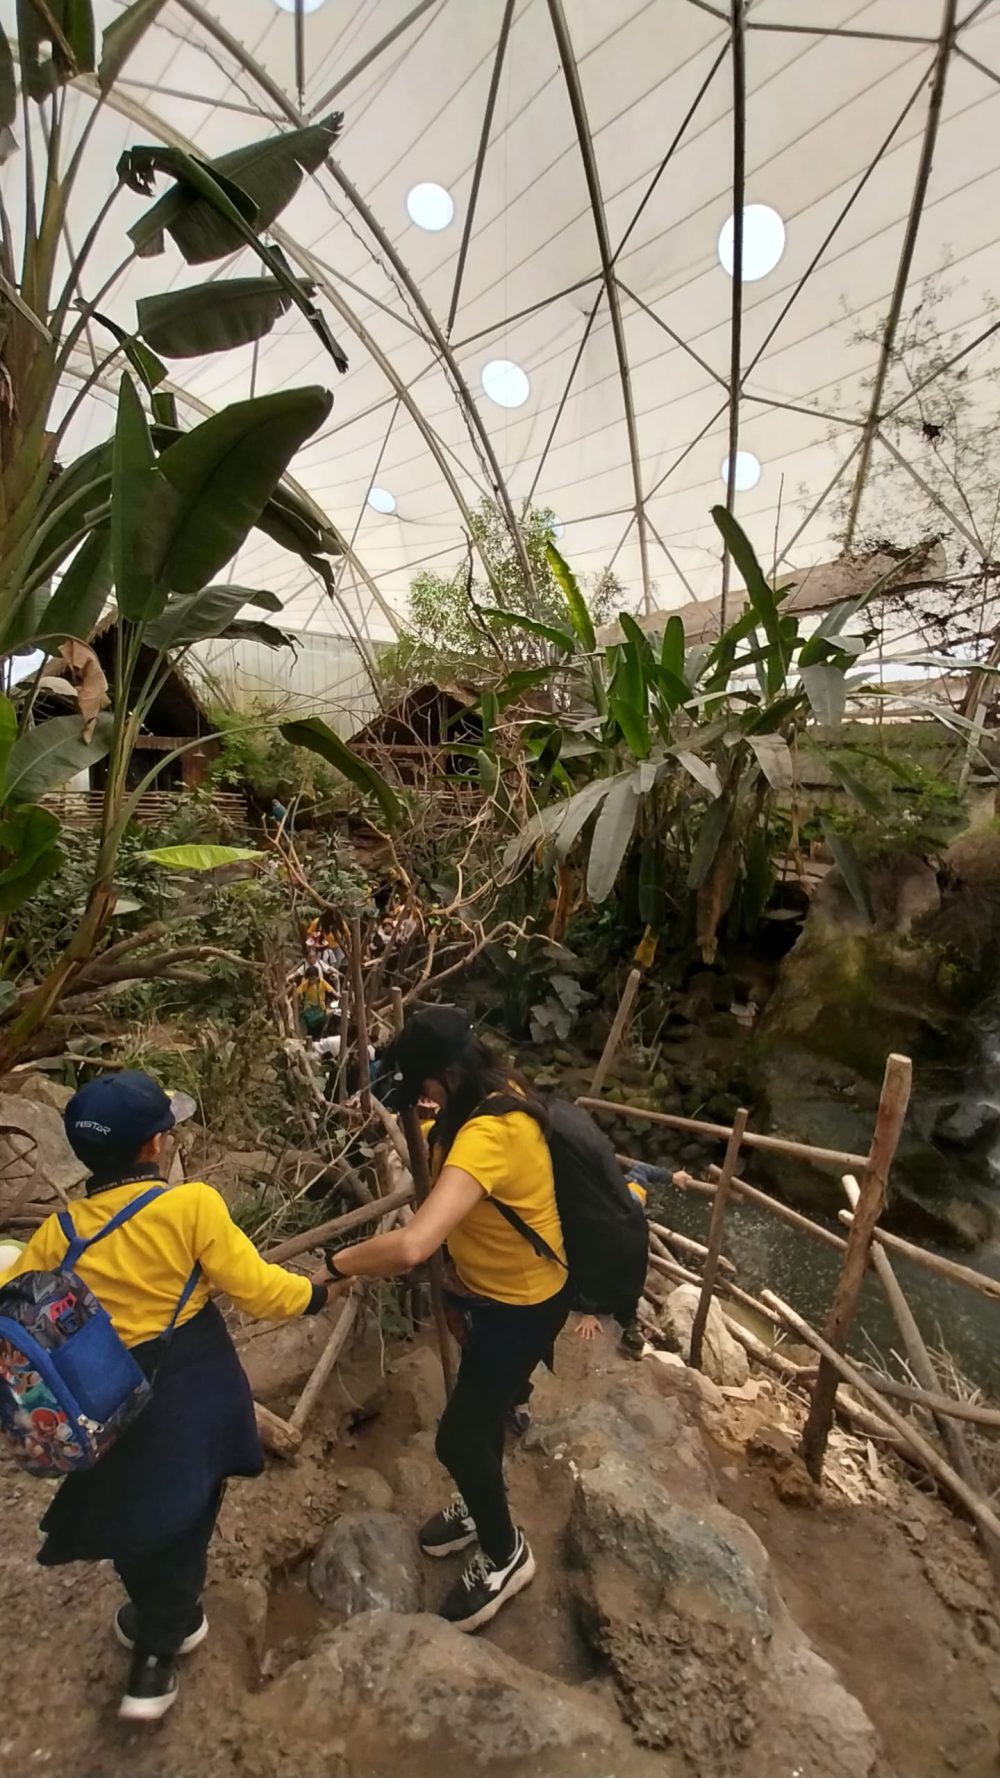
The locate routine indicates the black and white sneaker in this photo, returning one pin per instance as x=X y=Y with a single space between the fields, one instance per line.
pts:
x=127 y=1627
x=487 y=1585
x=151 y=1689
x=448 y=1532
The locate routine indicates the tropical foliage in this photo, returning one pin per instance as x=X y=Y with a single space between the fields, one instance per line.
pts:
x=673 y=765
x=461 y=627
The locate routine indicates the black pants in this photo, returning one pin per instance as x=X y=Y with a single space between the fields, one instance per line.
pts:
x=502 y=1343
x=165 y=1586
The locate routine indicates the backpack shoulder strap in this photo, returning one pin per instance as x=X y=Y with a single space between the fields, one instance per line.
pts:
x=78 y=1244
x=183 y=1299
x=534 y=1239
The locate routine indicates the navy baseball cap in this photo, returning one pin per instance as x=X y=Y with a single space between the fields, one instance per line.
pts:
x=114 y=1116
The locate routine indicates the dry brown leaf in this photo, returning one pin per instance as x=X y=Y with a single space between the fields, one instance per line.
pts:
x=89 y=678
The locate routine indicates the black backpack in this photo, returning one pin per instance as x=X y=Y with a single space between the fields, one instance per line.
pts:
x=604 y=1226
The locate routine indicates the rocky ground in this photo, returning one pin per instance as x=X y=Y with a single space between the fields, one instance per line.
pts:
x=697 y=1609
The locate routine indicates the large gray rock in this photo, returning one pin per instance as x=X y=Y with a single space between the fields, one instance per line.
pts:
x=36 y=1161
x=705 y=1659
x=368 y=1561
x=414 y=1697
x=724 y=1360
x=652 y=1430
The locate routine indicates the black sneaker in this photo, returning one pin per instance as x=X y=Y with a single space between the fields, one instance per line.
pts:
x=519 y=1419
x=448 y=1532
x=633 y=1341
x=486 y=1585
x=127 y=1625
x=151 y=1689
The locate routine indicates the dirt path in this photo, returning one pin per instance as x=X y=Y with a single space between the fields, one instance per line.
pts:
x=900 y=1606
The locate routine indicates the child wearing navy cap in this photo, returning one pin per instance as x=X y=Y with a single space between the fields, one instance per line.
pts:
x=151 y=1503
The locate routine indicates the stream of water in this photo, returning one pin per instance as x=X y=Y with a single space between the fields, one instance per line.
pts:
x=770 y=1254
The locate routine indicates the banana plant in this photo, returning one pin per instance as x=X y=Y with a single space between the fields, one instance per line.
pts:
x=685 y=751
x=211 y=210
x=171 y=523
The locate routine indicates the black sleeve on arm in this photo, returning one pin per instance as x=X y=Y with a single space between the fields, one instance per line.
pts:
x=318 y=1300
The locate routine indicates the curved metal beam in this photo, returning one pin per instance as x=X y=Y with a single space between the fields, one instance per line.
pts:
x=574 y=88
x=738 y=43
x=477 y=175
x=466 y=404
x=934 y=105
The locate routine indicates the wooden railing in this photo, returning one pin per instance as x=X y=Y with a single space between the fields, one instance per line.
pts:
x=81 y=809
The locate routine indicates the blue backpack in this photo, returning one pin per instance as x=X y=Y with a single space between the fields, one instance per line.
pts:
x=69 y=1385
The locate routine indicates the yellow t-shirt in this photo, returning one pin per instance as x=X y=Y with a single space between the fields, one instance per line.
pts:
x=138 y=1272
x=508 y=1156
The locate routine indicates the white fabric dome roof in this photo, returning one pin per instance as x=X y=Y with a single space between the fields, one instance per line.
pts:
x=625 y=424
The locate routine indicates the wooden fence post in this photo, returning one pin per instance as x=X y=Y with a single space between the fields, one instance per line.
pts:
x=715 y=1232
x=609 y=1051
x=952 y=1436
x=893 y=1101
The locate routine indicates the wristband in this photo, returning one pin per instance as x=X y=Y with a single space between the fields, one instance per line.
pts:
x=331 y=1265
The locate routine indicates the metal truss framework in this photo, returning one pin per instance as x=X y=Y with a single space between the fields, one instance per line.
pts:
x=736 y=24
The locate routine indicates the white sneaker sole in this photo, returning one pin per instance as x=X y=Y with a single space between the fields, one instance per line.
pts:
x=449 y=1549
x=187 y=1647
x=146 y=1709
x=520 y=1579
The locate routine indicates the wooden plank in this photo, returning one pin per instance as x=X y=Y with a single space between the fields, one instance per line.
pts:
x=716 y=1229
x=804 y=1151
x=619 y=1022
x=327 y=1359
x=325 y=1232
x=934 y=1262
x=893 y=1101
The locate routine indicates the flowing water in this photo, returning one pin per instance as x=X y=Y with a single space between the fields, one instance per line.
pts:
x=769 y=1254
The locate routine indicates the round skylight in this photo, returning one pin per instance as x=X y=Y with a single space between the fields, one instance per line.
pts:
x=380 y=500
x=429 y=206
x=763 y=242
x=307 y=5
x=505 y=383
x=747 y=471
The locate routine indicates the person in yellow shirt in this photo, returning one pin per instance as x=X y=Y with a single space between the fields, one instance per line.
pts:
x=508 y=1296
x=151 y=1503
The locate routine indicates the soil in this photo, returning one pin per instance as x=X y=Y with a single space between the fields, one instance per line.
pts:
x=889 y=1587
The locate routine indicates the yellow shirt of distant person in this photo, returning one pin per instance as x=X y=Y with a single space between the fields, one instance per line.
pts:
x=139 y=1271
x=509 y=1157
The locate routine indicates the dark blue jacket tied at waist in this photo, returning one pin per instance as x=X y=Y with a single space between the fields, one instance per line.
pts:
x=166 y=1469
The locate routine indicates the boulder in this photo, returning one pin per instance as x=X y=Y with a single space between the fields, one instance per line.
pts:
x=368 y=1561
x=653 y=1431
x=705 y=1659
x=966 y=1123
x=36 y=1161
x=365 y=1489
x=396 y=1693
x=278 y=1360
x=724 y=1359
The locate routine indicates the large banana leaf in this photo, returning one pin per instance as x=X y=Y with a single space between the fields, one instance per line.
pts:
x=64 y=26
x=30 y=836
x=198 y=616
x=8 y=735
x=200 y=857
x=293 y=522
x=213 y=317
x=148 y=368
x=121 y=37
x=849 y=866
x=576 y=604
x=317 y=736
x=78 y=600
x=133 y=485
x=214 y=482
x=269 y=172
x=268 y=635
x=612 y=836
x=713 y=826
x=826 y=689
x=46 y=756
x=8 y=85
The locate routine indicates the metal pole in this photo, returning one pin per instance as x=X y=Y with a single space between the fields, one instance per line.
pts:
x=736 y=323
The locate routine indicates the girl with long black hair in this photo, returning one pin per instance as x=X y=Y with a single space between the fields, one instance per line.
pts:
x=508 y=1299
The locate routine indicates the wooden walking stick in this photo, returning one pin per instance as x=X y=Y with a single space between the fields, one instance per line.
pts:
x=893 y=1101
x=360 y=1018
x=716 y=1226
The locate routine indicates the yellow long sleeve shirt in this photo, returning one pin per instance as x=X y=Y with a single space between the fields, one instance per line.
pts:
x=138 y=1272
